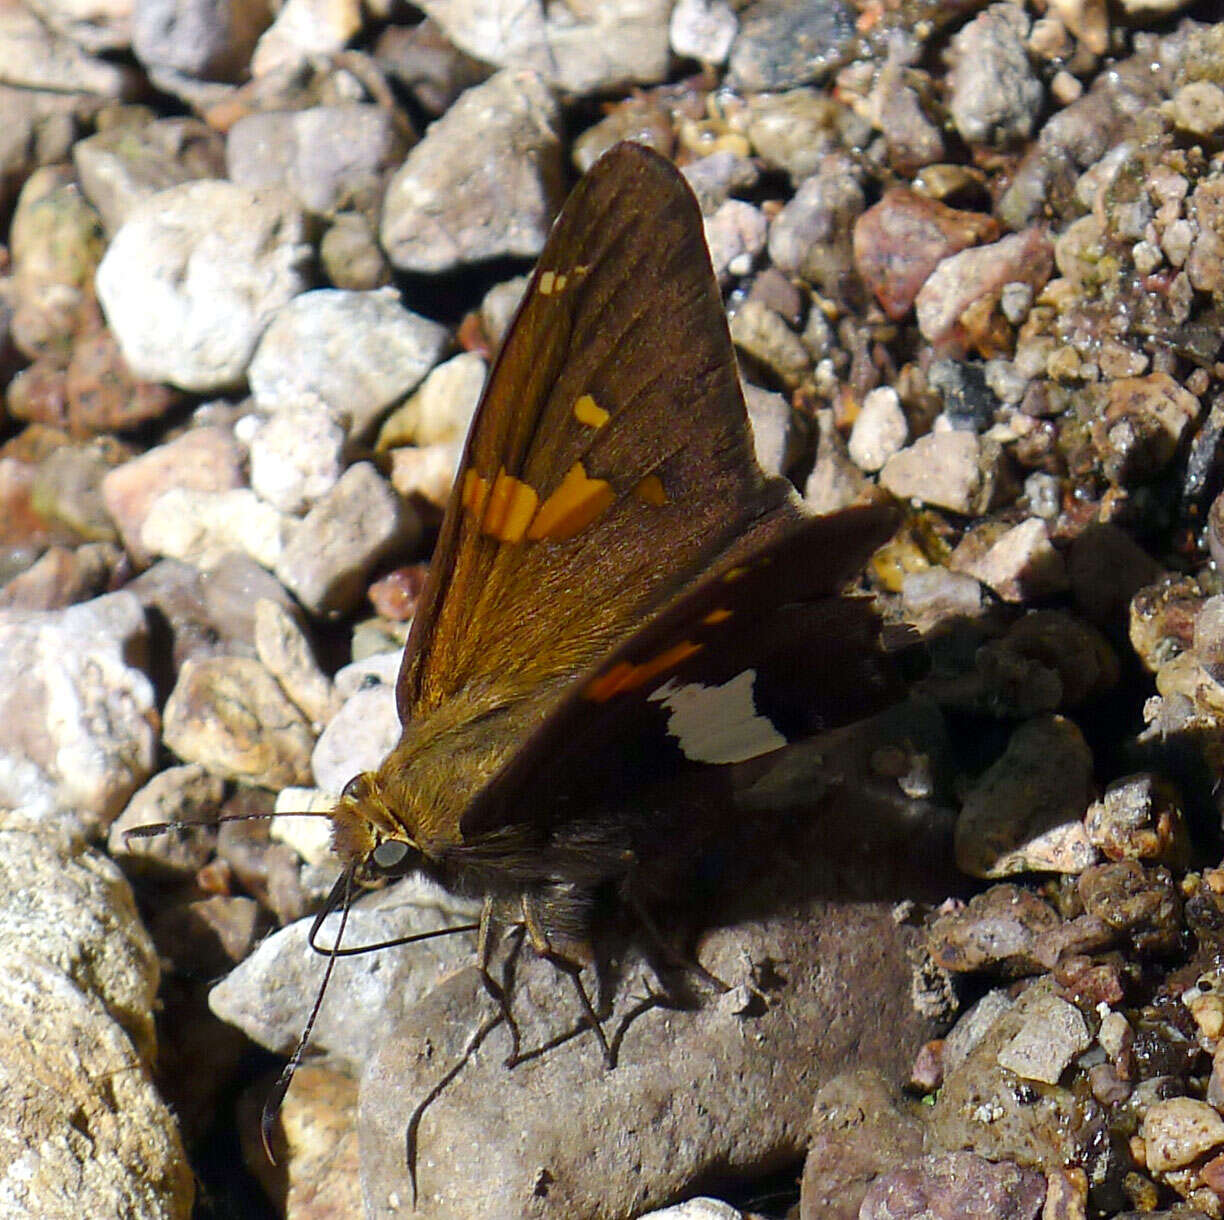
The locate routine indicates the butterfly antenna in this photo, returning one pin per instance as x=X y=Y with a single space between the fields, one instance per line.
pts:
x=152 y=829
x=341 y=896
x=356 y=950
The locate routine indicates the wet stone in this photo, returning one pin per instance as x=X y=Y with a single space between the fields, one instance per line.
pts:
x=980 y=1105
x=1021 y=565
x=1140 y=903
x=795 y=129
x=859 y=1129
x=899 y=241
x=1053 y=1034
x=958 y=304
x=935 y=598
x=947 y=469
x=956 y=1184
x=1178 y=1131
x=1006 y=930
x=1140 y=424
x=780 y=46
x=1025 y=812
x=735 y=234
x=1140 y=817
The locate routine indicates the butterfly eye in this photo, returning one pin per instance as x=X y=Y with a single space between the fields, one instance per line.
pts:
x=390 y=854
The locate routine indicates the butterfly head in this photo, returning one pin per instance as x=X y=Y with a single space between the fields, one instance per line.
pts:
x=364 y=831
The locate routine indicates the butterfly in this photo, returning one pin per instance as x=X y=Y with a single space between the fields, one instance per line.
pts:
x=618 y=593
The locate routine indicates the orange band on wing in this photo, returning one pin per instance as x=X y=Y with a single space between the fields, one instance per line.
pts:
x=577 y=501
x=512 y=504
x=625 y=675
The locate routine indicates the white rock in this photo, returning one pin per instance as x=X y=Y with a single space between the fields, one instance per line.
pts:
x=200 y=527
x=355 y=352
x=337 y=544
x=427 y=471
x=446 y=401
x=703 y=30
x=880 y=430
x=483 y=183
x=33 y=57
x=1022 y=564
x=268 y=996
x=297 y=456
x=304 y=28
x=598 y=45
x=941 y=468
x=195 y=274
x=78 y=724
x=365 y=730
x=1053 y=1033
x=736 y=234
x=282 y=646
x=770 y=416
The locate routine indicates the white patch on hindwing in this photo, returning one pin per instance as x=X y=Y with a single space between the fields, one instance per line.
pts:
x=718 y=724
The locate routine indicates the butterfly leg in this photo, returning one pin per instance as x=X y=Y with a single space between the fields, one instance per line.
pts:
x=495 y=991
x=538 y=935
x=674 y=956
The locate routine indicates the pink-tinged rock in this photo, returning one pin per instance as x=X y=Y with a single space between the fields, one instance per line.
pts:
x=899 y=241
x=958 y=305
x=203 y=459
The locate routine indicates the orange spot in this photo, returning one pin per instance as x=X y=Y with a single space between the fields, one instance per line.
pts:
x=625 y=675
x=716 y=616
x=734 y=574
x=559 y=283
x=511 y=506
x=475 y=493
x=577 y=501
x=588 y=411
x=650 y=491
x=547 y=283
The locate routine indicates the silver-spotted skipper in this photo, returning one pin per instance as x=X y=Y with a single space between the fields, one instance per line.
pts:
x=618 y=593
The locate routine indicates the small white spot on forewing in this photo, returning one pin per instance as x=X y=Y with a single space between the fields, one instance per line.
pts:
x=718 y=724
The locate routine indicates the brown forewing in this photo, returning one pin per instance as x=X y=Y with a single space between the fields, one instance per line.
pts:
x=639 y=327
